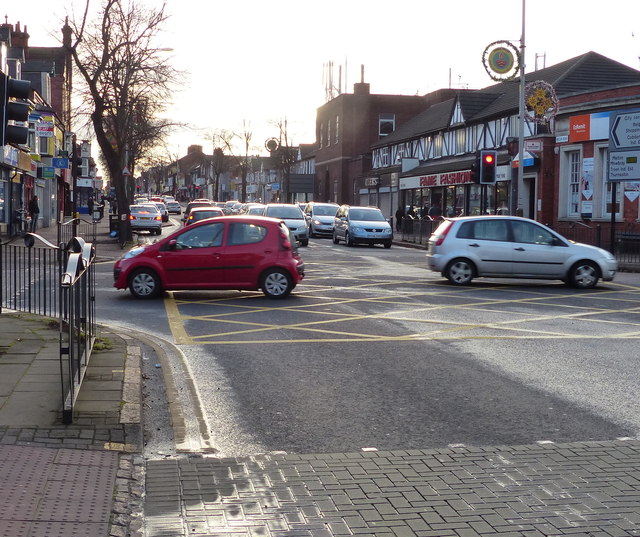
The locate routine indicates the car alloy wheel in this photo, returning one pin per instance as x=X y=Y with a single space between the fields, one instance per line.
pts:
x=144 y=283
x=459 y=271
x=584 y=275
x=276 y=283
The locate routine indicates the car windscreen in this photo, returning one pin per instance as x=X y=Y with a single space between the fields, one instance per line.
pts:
x=325 y=210
x=369 y=215
x=284 y=212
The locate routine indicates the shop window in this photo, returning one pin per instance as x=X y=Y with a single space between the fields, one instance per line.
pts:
x=336 y=135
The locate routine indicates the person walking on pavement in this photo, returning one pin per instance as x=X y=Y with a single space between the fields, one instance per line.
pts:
x=90 y=206
x=34 y=211
x=399 y=217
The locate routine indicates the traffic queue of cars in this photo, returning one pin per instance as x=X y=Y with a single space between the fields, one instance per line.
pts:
x=255 y=247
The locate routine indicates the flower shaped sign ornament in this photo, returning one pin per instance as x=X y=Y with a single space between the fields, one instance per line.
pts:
x=541 y=101
x=501 y=60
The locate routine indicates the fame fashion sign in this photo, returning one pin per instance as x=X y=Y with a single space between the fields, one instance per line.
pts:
x=436 y=179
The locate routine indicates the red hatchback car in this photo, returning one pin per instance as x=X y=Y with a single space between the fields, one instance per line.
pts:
x=228 y=252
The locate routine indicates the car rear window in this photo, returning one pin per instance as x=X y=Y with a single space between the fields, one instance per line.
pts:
x=245 y=233
x=490 y=230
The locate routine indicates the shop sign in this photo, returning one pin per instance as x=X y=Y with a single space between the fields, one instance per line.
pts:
x=84 y=181
x=10 y=156
x=587 y=127
x=44 y=128
x=47 y=172
x=372 y=181
x=436 y=179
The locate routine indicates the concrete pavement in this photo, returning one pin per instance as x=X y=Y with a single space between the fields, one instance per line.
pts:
x=90 y=478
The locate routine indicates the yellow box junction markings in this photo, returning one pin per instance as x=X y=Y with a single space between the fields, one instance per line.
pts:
x=451 y=329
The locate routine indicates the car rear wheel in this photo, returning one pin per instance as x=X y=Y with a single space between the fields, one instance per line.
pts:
x=348 y=240
x=304 y=242
x=276 y=283
x=584 y=275
x=336 y=240
x=459 y=271
x=144 y=283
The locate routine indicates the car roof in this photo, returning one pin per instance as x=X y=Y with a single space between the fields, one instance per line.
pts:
x=207 y=209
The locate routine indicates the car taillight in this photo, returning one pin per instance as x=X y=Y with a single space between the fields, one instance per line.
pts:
x=442 y=233
x=131 y=217
x=158 y=218
x=285 y=242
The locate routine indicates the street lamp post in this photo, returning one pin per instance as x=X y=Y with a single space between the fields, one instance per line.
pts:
x=518 y=183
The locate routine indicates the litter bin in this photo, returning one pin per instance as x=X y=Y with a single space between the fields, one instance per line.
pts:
x=113 y=222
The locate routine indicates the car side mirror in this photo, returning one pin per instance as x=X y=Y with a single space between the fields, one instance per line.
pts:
x=171 y=245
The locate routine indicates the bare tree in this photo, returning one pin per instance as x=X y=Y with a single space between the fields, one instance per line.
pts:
x=242 y=156
x=284 y=157
x=126 y=80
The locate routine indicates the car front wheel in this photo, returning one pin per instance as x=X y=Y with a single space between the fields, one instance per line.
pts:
x=348 y=239
x=584 y=275
x=336 y=240
x=144 y=283
x=276 y=283
x=459 y=271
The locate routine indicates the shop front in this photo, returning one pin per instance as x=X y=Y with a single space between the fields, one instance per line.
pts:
x=454 y=193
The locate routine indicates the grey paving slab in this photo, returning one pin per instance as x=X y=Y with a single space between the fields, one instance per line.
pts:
x=581 y=489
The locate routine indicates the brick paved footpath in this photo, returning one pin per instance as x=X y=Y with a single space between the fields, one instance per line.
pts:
x=579 y=489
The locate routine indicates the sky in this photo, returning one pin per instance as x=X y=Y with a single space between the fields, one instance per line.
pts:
x=261 y=62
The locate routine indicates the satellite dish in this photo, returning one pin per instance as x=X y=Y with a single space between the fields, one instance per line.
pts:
x=272 y=145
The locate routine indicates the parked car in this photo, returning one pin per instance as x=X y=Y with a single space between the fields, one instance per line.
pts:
x=229 y=252
x=200 y=213
x=145 y=217
x=512 y=247
x=361 y=225
x=293 y=216
x=320 y=217
x=173 y=207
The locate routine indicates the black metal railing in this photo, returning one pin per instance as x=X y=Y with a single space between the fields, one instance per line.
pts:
x=77 y=320
x=76 y=227
x=56 y=282
x=416 y=230
x=30 y=278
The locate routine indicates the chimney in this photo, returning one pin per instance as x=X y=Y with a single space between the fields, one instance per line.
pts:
x=362 y=87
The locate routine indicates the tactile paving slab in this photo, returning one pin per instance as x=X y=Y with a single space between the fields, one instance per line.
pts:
x=48 y=492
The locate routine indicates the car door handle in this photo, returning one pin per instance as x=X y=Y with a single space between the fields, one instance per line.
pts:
x=519 y=249
x=474 y=245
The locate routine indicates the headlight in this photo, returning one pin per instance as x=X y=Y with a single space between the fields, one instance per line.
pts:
x=302 y=228
x=356 y=229
x=133 y=252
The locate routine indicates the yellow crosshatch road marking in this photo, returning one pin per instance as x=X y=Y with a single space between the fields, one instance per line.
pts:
x=235 y=321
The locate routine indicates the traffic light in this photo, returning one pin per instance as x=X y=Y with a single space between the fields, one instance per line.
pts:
x=13 y=110
x=488 y=162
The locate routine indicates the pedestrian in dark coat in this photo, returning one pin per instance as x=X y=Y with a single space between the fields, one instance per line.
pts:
x=34 y=211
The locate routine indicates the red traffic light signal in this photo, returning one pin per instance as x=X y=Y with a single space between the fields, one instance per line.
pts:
x=13 y=110
x=488 y=162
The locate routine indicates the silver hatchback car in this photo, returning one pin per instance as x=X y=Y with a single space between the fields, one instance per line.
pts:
x=512 y=247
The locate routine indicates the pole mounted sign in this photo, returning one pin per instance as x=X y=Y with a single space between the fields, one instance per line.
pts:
x=624 y=146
